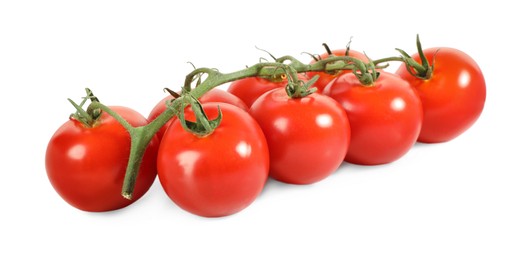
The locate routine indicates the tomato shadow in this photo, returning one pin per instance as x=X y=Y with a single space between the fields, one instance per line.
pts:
x=352 y=168
x=419 y=145
x=274 y=186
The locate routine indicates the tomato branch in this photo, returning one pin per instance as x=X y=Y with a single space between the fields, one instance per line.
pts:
x=140 y=139
x=141 y=136
x=388 y=59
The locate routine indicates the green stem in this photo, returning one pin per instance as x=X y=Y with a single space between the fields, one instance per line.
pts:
x=140 y=138
x=215 y=78
x=388 y=59
x=120 y=119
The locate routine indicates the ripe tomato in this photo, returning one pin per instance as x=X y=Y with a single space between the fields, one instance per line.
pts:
x=385 y=118
x=452 y=98
x=213 y=95
x=308 y=137
x=86 y=165
x=326 y=77
x=219 y=174
x=249 y=89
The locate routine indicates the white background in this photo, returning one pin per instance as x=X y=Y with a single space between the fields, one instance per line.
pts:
x=457 y=200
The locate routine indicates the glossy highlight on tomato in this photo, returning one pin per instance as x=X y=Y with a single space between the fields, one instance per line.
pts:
x=308 y=137
x=385 y=117
x=86 y=165
x=219 y=174
x=453 y=97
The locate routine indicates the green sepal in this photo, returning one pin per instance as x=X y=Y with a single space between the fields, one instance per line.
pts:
x=86 y=117
x=424 y=62
x=300 y=88
x=421 y=71
x=203 y=126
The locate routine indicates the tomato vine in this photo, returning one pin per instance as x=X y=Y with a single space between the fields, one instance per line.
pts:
x=207 y=78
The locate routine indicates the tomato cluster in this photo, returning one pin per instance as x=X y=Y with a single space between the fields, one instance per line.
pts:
x=270 y=127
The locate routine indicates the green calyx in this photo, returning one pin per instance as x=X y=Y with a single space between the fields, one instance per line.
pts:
x=87 y=117
x=297 y=88
x=365 y=72
x=202 y=126
x=422 y=71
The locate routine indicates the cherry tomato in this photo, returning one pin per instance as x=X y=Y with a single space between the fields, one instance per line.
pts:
x=453 y=97
x=385 y=118
x=325 y=77
x=213 y=95
x=308 y=137
x=219 y=174
x=86 y=165
x=249 y=89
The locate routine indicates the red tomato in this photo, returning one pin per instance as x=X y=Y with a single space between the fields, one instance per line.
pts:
x=219 y=174
x=325 y=77
x=86 y=165
x=308 y=137
x=385 y=118
x=213 y=95
x=249 y=89
x=453 y=98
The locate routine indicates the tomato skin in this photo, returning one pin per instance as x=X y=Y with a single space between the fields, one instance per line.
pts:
x=86 y=165
x=222 y=96
x=385 y=118
x=213 y=95
x=325 y=78
x=219 y=174
x=250 y=89
x=453 y=98
x=308 y=137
